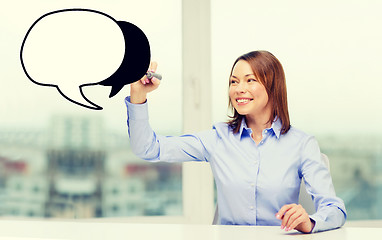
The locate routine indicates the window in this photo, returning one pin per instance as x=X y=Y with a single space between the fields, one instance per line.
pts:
x=58 y=159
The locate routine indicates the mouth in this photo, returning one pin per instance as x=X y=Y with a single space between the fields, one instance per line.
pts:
x=243 y=101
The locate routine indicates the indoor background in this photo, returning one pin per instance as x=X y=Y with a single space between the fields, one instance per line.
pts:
x=60 y=160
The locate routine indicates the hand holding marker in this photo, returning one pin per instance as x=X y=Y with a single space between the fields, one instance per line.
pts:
x=151 y=77
x=151 y=74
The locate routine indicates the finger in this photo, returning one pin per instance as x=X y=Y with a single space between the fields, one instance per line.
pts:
x=153 y=66
x=287 y=215
x=283 y=209
x=155 y=81
x=298 y=211
x=296 y=222
x=143 y=79
x=296 y=215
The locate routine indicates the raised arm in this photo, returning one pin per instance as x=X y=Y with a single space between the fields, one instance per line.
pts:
x=145 y=143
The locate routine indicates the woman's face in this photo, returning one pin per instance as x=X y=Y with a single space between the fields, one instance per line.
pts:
x=248 y=95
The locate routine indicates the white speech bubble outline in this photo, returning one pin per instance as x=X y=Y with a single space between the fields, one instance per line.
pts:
x=72 y=48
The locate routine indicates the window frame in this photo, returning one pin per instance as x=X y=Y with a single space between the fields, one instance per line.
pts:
x=197 y=179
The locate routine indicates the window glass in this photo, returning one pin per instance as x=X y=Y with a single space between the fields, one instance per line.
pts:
x=58 y=159
x=331 y=61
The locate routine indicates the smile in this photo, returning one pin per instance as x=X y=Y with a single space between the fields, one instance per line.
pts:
x=243 y=100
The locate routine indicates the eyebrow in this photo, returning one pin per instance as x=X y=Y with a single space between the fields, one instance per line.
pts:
x=244 y=76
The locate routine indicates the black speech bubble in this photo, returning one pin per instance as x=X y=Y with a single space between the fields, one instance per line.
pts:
x=135 y=62
x=134 y=65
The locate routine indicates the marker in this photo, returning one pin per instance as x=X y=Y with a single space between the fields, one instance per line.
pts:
x=150 y=75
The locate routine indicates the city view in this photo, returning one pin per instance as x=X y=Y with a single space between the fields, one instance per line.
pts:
x=78 y=169
x=356 y=169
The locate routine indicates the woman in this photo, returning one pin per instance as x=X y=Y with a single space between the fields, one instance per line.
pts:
x=257 y=158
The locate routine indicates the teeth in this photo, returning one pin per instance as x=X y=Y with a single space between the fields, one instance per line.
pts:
x=242 y=100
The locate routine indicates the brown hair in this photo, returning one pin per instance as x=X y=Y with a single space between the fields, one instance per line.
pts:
x=269 y=71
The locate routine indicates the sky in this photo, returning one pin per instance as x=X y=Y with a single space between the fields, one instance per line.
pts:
x=330 y=51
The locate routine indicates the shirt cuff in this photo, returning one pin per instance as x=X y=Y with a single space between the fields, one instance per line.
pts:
x=330 y=218
x=314 y=229
x=136 y=111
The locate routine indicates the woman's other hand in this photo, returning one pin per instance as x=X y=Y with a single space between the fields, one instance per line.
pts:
x=294 y=216
x=140 y=88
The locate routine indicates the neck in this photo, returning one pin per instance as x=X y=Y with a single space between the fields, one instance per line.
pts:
x=258 y=124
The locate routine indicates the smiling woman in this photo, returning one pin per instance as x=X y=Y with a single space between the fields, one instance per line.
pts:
x=255 y=76
x=255 y=157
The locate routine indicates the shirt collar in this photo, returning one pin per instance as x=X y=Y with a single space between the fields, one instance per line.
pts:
x=275 y=127
x=244 y=128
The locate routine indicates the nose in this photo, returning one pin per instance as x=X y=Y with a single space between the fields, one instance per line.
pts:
x=241 y=87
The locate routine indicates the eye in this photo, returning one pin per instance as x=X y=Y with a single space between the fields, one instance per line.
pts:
x=252 y=80
x=233 y=81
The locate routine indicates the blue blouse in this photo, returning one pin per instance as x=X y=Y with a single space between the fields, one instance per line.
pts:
x=253 y=181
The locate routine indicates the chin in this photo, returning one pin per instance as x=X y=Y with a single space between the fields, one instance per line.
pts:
x=242 y=112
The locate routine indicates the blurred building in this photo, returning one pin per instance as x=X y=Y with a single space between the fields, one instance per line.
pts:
x=76 y=169
x=356 y=170
x=22 y=193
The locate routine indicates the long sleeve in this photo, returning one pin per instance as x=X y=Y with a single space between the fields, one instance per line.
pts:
x=149 y=146
x=331 y=212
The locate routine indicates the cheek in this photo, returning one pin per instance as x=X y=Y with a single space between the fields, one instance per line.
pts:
x=258 y=92
x=254 y=90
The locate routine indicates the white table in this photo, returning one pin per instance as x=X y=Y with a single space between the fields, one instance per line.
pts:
x=59 y=230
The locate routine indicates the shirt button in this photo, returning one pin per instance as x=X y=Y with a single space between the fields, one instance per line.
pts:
x=251 y=207
x=252 y=184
